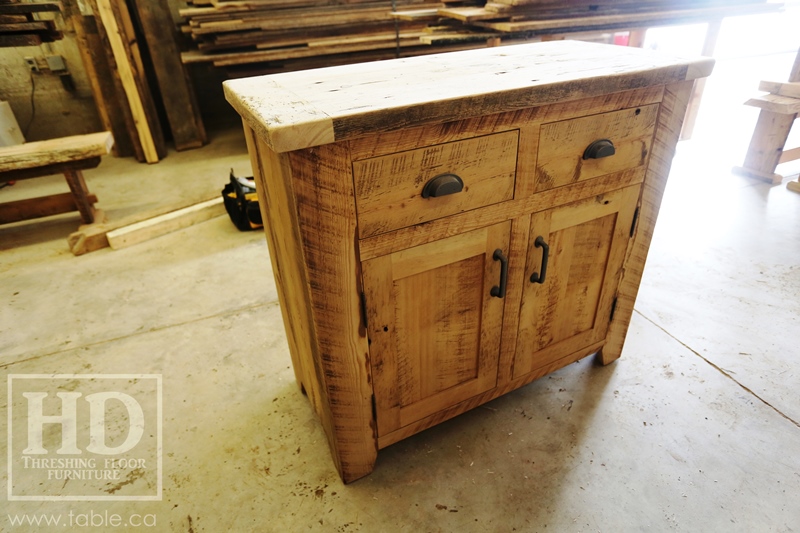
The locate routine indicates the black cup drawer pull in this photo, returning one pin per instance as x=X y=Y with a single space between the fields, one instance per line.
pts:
x=442 y=185
x=537 y=277
x=599 y=149
x=500 y=291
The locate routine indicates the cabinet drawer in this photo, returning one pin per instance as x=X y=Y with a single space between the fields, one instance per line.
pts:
x=389 y=189
x=562 y=156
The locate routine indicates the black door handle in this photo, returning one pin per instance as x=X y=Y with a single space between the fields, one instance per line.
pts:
x=539 y=243
x=500 y=291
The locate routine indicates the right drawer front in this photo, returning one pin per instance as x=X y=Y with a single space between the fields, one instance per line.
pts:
x=562 y=146
x=389 y=189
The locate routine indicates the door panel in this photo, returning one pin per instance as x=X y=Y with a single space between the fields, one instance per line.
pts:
x=570 y=310
x=434 y=328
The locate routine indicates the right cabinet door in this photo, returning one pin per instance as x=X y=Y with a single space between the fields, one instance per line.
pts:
x=580 y=248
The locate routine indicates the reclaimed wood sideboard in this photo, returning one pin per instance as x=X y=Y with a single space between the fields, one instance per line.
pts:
x=445 y=229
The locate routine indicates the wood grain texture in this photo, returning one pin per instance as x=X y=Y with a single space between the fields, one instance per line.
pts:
x=570 y=310
x=389 y=188
x=326 y=337
x=673 y=108
x=326 y=217
x=776 y=103
x=791 y=154
x=300 y=109
x=174 y=84
x=766 y=145
x=434 y=328
x=428 y=340
x=562 y=144
x=55 y=151
x=475 y=401
x=790 y=89
x=619 y=21
x=95 y=62
x=93 y=237
x=164 y=224
x=39 y=207
x=285 y=254
x=130 y=73
x=50 y=169
x=383 y=143
x=80 y=193
x=518 y=247
x=453 y=225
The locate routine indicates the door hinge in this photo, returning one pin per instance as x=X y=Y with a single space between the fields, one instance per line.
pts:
x=613 y=308
x=635 y=220
x=363 y=309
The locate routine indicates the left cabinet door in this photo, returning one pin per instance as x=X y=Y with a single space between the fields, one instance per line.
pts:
x=434 y=325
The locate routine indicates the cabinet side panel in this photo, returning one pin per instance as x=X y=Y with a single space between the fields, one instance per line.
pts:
x=668 y=127
x=323 y=187
x=271 y=174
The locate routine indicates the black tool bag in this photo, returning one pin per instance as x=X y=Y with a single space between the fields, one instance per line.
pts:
x=241 y=203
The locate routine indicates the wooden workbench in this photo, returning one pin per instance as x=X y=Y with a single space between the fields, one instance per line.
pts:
x=65 y=155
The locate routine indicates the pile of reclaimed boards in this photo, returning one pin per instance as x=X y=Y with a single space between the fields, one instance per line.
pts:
x=548 y=17
x=132 y=61
x=22 y=24
x=274 y=35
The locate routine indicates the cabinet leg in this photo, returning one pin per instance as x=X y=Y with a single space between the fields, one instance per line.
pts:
x=606 y=356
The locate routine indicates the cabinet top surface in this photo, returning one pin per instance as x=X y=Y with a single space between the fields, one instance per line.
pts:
x=296 y=110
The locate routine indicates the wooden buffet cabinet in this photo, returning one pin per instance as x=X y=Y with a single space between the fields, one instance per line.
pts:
x=447 y=228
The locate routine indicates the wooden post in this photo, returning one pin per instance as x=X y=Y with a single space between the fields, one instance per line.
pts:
x=710 y=43
x=131 y=74
x=779 y=110
x=101 y=80
x=636 y=37
x=174 y=84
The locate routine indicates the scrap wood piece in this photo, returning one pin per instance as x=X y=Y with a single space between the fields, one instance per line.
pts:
x=100 y=77
x=775 y=103
x=92 y=237
x=528 y=21
x=416 y=14
x=131 y=75
x=163 y=224
x=28 y=7
x=790 y=89
x=177 y=94
x=470 y=14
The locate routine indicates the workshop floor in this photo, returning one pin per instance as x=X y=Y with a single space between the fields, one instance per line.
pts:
x=695 y=428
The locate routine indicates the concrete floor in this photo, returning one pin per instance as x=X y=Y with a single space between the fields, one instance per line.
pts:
x=695 y=428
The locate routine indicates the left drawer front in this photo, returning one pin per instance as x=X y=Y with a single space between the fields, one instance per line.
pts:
x=389 y=189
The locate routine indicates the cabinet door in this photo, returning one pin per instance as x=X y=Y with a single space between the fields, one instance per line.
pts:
x=434 y=326
x=570 y=309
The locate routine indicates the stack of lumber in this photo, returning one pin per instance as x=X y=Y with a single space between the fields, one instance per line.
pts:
x=19 y=26
x=293 y=34
x=543 y=17
x=130 y=52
